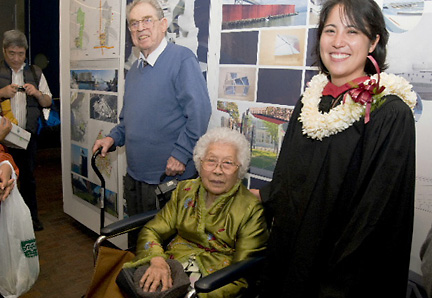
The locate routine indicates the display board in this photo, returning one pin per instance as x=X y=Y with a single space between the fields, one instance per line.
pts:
x=256 y=56
x=409 y=51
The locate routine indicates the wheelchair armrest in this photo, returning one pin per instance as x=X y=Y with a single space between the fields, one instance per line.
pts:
x=128 y=224
x=228 y=274
x=121 y=227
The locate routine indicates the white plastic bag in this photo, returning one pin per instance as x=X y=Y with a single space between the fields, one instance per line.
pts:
x=19 y=261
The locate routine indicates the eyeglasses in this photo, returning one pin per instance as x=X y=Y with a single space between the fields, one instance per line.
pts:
x=147 y=22
x=228 y=167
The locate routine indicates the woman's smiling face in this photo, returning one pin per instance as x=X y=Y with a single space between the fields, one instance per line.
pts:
x=344 y=48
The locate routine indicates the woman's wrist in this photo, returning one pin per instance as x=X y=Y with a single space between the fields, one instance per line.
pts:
x=157 y=260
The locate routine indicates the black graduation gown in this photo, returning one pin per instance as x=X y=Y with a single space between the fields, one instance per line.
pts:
x=343 y=208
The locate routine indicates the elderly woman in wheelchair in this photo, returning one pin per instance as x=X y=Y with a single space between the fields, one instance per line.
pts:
x=212 y=221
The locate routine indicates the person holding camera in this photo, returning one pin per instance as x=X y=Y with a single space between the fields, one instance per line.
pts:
x=24 y=92
x=166 y=109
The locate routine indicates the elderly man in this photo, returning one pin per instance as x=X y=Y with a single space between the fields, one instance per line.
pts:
x=27 y=89
x=166 y=109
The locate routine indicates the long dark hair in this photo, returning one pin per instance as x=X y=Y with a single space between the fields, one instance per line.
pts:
x=367 y=17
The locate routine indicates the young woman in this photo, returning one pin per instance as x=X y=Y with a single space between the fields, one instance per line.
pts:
x=342 y=194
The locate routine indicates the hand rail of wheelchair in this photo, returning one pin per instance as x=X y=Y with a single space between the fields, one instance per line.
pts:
x=121 y=227
x=128 y=224
x=228 y=274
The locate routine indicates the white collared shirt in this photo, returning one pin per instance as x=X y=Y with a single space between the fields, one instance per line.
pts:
x=19 y=101
x=151 y=59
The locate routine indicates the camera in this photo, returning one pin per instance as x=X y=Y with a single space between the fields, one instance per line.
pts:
x=20 y=89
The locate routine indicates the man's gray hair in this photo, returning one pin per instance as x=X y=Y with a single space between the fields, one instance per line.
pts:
x=154 y=3
x=224 y=135
x=14 y=38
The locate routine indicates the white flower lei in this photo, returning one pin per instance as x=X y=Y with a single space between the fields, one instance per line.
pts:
x=317 y=125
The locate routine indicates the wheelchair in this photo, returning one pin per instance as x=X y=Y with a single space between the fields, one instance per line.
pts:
x=209 y=283
x=206 y=284
x=243 y=269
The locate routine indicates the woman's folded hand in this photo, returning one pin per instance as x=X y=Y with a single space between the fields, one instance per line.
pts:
x=158 y=273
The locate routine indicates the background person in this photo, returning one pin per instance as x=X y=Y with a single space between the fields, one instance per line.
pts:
x=214 y=219
x=342 y=192
x=166 y=109
x=26 y=106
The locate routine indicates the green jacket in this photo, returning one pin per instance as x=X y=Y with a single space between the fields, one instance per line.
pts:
x=233 y=229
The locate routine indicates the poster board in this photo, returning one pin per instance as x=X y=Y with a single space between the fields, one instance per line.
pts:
x=409 y=56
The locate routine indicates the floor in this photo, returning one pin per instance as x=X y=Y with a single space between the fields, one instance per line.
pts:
x=65 y=246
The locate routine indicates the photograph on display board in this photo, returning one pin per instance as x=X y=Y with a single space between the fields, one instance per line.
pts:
x=310 y=47
x=93 y=79
x=91 y=120
x=90 y=192
x=79 y=160
x=94 y=29
x=79 y=116
x=108 y=165
x=263 y=126
x=417 y=65
x=237 y=83
x=314 y=11
x=279 y=86
x=103 y=107
x=402 y=15
x=263 y=13
x=188 y=25
x=261 y=67
x=284 y=47
x=239 y=48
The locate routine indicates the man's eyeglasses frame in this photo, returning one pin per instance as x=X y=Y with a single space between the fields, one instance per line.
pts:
x=147 y=22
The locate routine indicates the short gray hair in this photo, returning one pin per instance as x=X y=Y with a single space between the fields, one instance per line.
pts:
x=224 y=135
x=154 y=3
x=14 y=38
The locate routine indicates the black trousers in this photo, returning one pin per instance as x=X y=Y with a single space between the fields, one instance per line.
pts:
x=26 y=161
x=140 y=196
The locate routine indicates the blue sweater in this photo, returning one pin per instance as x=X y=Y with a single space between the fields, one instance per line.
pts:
x=166 y=109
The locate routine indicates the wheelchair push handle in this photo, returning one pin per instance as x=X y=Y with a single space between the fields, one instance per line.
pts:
x=162 y=177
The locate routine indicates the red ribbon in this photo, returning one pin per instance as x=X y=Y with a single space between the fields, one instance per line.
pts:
x=364 y=93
